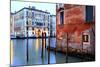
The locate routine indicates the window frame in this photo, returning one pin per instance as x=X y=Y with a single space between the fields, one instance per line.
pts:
x=61 y=21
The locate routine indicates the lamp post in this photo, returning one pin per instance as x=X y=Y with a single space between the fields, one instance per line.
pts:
x=42 y=46
x=49 y=49
x=82 y=47
x=67 y=49
x=27 y=58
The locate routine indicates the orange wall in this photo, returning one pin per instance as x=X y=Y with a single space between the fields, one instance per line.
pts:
x=75 y=15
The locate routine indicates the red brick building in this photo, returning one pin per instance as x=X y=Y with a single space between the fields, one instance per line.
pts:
x=75 y=28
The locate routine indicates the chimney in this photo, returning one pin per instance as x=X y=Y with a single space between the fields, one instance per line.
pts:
x=15 y=11
x=46 y=10
x=33 y=7
x=29 y=6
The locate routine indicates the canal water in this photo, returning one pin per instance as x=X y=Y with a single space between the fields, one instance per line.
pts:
x=18 y=53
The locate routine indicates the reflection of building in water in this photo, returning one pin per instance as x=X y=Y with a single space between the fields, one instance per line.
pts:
x=11 y=52
x=75 y=25
x=12 y=25
x=38 y=21
x=37 y=45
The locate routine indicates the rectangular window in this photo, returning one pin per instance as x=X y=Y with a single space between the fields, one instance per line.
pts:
x=85 y=38
x=39 y=24
x=32 y=23
x=62 y=17
x=32 y=14
x=27 y=13
x=48 y=18
x=89 y=13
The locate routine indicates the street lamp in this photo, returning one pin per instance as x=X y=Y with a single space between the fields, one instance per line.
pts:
x=49 y=48
x=49 y=29
x=27 y=58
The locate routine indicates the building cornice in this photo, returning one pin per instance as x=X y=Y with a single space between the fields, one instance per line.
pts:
x=31 y=9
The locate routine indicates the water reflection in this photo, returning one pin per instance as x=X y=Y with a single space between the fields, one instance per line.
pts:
x=11 y=52
x=18 y=52
x=37 y=45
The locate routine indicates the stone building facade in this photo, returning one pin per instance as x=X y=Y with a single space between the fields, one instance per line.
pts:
x=36 y=20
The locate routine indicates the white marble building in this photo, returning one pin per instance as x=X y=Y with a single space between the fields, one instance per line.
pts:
x=38 y=22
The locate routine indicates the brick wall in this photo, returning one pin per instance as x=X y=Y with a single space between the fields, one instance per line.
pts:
x=75 y=15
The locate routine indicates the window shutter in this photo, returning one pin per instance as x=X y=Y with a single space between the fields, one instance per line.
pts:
x=89 y=13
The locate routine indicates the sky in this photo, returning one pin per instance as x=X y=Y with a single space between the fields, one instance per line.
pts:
x=17 y=5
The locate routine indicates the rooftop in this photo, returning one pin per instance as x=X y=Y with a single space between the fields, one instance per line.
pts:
x=31 y=8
